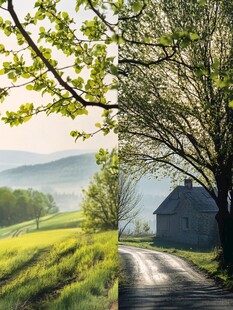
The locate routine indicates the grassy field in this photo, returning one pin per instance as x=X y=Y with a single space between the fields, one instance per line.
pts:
x=60 y=268
x=203 y=259
x=53 y=221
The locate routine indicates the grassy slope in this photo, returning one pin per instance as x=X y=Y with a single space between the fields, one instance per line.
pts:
x=58 y=269
x=204 y=260
x=53 y=221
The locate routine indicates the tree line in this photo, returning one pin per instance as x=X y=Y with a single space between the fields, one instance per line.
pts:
x=22 y=205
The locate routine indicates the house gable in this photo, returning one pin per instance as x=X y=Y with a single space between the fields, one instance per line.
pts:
x=187 y=215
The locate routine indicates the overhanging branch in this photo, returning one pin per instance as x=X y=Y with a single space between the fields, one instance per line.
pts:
x=50 y=68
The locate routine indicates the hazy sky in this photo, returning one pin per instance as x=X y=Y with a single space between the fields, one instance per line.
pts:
x=48 y=134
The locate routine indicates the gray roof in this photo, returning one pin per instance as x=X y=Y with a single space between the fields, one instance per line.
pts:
x=198 y=197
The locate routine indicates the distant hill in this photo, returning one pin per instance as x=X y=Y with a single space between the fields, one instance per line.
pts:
x=11 y=159
x=64 y=178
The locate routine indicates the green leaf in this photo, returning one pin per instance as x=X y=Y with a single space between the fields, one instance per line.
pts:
x=231 y=104
x=194 y=36
x=11 y=75
x=137 y=6
x=65 y=15
x=223 y=83
x=114 y=70
x=2 y=1
x=25 y=75
x=165 y=40
x=42 y=29
x=29 y=87
x=27 y=118
x=202 y=2
x=6 y=64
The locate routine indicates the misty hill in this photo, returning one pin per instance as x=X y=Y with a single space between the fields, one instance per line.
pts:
x=74 y=169
x=63 y=178
x=11 y=159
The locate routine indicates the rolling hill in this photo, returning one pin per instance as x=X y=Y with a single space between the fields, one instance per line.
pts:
x=63 y=178
x=74 y=170
x=11 y=158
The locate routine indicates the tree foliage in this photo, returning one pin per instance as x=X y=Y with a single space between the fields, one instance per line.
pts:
x=20 y=205
x=100 y=203
x=176 y=97
x=69 y=62
x=111 y=201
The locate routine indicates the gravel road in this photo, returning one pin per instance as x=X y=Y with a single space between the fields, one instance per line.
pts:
x=158 y=280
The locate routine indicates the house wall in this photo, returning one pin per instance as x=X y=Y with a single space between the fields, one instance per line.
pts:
x=208 y=230
x=188 y=226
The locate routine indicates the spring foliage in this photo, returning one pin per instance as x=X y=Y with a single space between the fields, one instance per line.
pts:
x=21 y=205
x=69 y=60
x=100 y=203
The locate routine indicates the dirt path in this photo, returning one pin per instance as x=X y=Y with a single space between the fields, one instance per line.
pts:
x=162 y=281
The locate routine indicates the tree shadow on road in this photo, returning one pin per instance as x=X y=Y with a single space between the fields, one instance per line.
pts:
x=206 y=297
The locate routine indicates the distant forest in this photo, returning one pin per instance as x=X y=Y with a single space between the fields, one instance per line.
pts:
x=20 y=205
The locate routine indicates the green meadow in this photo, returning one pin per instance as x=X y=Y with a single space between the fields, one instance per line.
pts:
x=58 y=267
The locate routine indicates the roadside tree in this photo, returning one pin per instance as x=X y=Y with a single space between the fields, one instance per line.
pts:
x=176 y=115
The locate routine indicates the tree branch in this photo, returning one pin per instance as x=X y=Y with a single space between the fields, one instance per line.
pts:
x=50 y=67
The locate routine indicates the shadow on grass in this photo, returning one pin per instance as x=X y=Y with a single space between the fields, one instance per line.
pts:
x=159 y=243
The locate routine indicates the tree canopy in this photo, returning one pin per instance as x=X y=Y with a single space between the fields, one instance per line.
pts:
x=68 y=59
x=176 y=98
x=21 y=205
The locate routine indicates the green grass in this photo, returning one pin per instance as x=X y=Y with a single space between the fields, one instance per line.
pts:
x=60 y=221
x=49 y=222
x=203 y=259
x=59 y=269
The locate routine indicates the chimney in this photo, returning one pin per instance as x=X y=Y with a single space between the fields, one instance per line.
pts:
x=188 y=183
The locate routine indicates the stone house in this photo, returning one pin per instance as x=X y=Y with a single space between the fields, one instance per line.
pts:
x=187 y=215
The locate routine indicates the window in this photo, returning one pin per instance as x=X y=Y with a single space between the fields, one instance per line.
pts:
x=185 y=223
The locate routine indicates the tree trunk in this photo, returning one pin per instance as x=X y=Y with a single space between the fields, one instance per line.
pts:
x=225 y=226
x=37 y=223
x=231 y=207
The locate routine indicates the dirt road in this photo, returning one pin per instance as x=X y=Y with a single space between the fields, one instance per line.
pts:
x=158 y=280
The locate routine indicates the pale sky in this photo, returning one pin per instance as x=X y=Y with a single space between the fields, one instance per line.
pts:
x=48 y=134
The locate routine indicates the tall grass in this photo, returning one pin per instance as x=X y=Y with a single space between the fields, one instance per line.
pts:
x=62 y=269
x=91 y=293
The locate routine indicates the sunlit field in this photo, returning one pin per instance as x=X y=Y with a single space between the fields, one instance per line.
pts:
x=59 y=269
x=53 y=221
